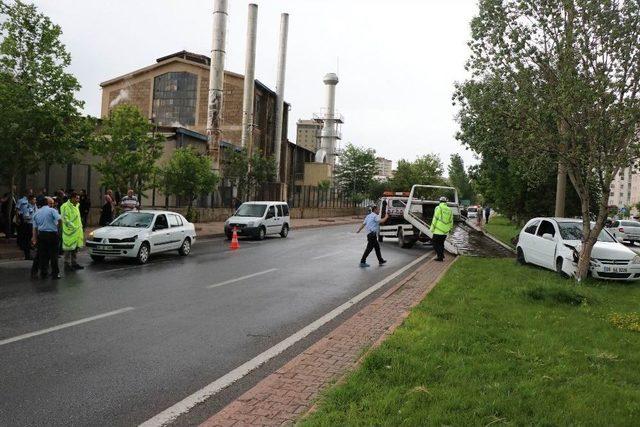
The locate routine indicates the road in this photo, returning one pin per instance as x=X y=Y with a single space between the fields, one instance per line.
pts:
x=119 y=343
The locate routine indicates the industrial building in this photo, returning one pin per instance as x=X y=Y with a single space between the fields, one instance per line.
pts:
x=308 y=134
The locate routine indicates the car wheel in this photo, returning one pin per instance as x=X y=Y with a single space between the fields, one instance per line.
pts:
x=559 y=263
x=261 y=233
x=185 y=249
x=380 y=237
x=97 y=258
x=403 y=242
x=143 y=253
x=285 y=231
x=520 y=256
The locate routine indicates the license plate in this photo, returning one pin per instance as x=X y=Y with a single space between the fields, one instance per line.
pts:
x=615 y=270
x=105 y=248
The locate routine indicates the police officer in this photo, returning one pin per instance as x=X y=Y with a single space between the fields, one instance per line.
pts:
x=372 y=223
x=46 y=222
x=441 y=225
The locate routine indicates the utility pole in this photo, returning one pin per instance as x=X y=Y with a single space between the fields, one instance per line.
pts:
x=282 y=65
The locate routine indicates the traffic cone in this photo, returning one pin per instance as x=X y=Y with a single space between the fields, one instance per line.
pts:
x=234 y=240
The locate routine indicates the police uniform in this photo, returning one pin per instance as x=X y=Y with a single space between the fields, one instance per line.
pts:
x=45 y=221
x=441 y=224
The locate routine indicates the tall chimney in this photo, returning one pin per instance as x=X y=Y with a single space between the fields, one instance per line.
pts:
x=249 y=79
x=282 y=65
x=216 y=81
x=329 y=134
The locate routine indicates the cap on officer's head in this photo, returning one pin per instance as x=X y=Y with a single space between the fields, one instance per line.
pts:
x=443 y=199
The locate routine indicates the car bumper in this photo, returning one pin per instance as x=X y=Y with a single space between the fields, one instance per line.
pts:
x=242 y=231
x=113 y=249
x=623 y=273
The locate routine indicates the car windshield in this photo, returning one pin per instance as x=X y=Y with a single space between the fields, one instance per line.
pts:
x=133 y=219
x=472 y=210
x=251 y=210
x=573 y=231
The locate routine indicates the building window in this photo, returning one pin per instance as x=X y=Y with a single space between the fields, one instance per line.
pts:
x=174 y=99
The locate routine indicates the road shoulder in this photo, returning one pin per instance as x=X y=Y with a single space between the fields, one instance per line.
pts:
x=289 y=392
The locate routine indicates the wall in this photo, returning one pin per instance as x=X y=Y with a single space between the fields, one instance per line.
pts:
x=314 y=173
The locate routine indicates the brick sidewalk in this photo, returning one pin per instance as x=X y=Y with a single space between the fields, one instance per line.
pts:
x=10 y=250
x=290 y=392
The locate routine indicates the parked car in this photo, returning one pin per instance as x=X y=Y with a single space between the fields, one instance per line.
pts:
x=259 y=219
x=472 y=212
x=140 y=234
x=554 y=243
x=626 y=230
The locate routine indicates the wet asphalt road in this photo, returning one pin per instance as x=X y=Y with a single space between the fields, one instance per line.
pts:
x=171 y=334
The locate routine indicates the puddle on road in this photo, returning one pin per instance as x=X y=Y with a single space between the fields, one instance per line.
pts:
x=473 y=243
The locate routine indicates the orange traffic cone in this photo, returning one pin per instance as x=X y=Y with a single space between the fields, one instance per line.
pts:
x=234 y=240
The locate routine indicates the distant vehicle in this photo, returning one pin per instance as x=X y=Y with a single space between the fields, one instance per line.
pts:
x=554 y=243
x=140 y=234
x=473 y=211
x=259 y=219
x=625 y=230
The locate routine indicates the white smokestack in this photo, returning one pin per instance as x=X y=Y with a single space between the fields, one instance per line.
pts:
x=249 y=79
x=330 y=119
x=216 y=80
x=282 y=65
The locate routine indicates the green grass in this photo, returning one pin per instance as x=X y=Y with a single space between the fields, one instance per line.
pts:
x=502 y=229
x=497 y=343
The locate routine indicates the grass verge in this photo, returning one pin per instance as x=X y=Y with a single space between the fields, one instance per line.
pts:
x=502 y=229
x=496 y=343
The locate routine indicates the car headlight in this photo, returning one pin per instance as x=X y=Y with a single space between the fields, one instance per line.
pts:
x=636 y=260
x=91 y=234
x=130 y=239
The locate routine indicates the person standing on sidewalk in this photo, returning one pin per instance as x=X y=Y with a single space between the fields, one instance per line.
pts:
x=85 y=207
x=46 y=223
x=129 y=202
x=372 y=224
x=441 y=225
x=108 y=208
x=72 y=234
x=25 y=232
x=487 y=214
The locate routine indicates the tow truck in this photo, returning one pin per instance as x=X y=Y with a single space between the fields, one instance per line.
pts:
x=410 y=216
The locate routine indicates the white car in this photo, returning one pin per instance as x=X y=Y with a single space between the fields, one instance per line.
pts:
x=259 y=219
x=472 y=212
x=625 y=230
x=140 y=234
x=552 y=243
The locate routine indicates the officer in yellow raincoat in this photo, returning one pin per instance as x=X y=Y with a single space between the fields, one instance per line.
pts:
x=441 y=225
x=72 y=233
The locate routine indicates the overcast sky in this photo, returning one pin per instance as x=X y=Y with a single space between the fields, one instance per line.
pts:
x=397 y=60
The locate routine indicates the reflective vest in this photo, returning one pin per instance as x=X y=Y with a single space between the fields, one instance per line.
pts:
x=442 y=221
x=72 y=235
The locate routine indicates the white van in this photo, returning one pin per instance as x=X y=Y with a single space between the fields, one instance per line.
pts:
x=259 y=219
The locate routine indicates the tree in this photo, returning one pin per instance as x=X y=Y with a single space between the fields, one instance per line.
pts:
x=354 y=174
x=189 y=175
x=426 y=170
x=249 y=173
x=459 y=179
x=40 y=114
x=128 y=150
x=569 y=87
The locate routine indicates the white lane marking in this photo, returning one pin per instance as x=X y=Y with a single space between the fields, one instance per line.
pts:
x=182 y=407
x=237 y=279
x=64 y=325
x=326 y=255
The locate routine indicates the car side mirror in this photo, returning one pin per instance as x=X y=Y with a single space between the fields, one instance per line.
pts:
x=547 y=236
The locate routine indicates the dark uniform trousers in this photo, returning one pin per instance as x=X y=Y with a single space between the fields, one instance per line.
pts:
x=438 y=244
x=48 y=243
x=372 y=243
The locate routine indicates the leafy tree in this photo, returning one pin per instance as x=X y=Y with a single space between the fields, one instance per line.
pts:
x=39 y=110
x=248 y=172
x=188 y=174
x=459 y=179
x=426 y=170
x=569 y=79
x=354 y=174
x=128 y=150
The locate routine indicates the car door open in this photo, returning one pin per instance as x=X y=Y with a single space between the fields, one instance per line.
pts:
x=546 y=242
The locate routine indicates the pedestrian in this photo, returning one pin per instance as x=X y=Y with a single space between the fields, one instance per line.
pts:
x=46 y=237
x=236 y=203
x=40 y=198
x=108 y=207
x=441 y=225
x=129 y=202
x=72 y=234
x=372 y=224
x=25 y=231
x=85 y=207
x=487 y=213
